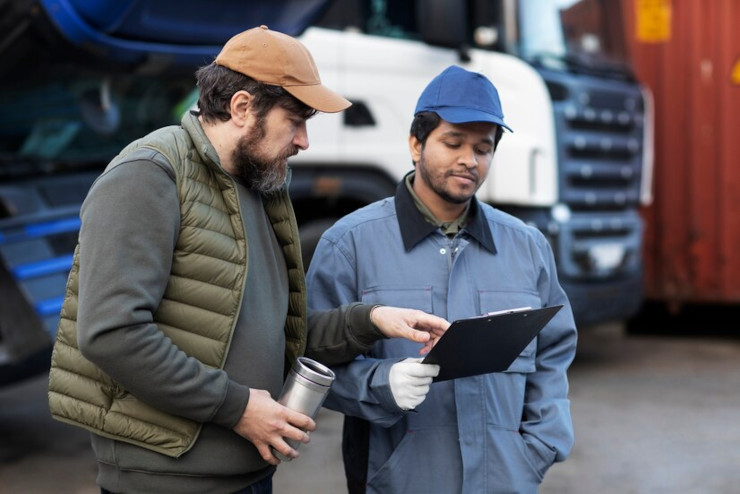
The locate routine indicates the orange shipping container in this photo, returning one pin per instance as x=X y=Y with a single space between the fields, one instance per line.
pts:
x=688 y=54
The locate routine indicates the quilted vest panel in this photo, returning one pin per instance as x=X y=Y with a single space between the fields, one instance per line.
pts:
x=199 y=308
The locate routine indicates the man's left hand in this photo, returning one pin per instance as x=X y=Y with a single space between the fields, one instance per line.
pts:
x=412 y=324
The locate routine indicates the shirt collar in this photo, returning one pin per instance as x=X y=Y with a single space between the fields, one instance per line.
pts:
x=414 y=227
x=449 y=228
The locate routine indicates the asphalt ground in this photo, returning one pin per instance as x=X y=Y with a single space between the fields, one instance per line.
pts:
x=654 y=413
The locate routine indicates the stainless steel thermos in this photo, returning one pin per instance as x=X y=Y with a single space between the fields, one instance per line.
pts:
x=304 y=391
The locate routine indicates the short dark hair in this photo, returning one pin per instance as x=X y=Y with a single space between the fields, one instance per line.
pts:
x=217 y=85
x=425 y=122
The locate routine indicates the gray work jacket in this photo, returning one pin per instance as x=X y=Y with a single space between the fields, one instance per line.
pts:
x=492 y=433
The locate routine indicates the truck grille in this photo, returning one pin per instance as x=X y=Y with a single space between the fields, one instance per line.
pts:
x=600 y=142
x=600 y=126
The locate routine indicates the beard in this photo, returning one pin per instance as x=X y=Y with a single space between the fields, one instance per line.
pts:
x=439 y=185
x=259 y=172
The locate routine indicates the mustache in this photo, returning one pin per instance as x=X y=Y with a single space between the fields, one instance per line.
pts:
x=467 y=174
x=290 y=153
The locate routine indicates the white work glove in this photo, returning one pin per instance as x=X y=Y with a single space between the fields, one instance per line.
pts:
x=410 y=380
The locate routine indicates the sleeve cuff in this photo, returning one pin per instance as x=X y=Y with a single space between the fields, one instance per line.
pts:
x=361 y=328
x=233 y=406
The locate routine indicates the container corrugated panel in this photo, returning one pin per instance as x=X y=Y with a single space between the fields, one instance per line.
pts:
x=693 y=225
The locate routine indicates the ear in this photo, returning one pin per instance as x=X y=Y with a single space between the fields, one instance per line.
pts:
x=239 y=108
x=415 y=148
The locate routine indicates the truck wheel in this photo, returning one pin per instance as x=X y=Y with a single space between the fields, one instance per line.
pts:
x=310 y=233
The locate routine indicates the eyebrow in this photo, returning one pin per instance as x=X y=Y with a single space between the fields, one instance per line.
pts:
x=455 y=133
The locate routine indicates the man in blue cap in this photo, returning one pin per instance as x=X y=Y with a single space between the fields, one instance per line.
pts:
x=435 y=247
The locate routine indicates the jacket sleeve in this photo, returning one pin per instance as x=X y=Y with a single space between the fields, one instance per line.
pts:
x=336 y=336
x=130 y=224
x=361 y=387
x=546 y=424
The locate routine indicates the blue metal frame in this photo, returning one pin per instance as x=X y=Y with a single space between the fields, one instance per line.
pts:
x=185 y=33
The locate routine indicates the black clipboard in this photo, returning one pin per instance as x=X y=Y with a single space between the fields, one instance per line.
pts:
x=487 y=343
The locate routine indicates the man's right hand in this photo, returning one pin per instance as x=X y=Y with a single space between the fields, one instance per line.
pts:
x=412 y=324
x=266 y=423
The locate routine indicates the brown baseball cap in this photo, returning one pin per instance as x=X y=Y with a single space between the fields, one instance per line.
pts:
x=275 y=58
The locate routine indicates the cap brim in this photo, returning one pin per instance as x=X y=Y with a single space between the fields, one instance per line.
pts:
x=319 y=98
x=465 y=115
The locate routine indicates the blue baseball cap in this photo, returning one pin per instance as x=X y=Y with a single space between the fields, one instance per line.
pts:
x=461 y=96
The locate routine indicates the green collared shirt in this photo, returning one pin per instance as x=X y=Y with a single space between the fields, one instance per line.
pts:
x=449 y=228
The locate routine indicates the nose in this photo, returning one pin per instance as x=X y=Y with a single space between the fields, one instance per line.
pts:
x=300 y=139
x=469 y=157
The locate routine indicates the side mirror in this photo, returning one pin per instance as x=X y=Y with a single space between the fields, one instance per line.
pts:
x=443 y=22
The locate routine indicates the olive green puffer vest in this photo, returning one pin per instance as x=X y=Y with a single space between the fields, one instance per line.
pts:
x=199 y=308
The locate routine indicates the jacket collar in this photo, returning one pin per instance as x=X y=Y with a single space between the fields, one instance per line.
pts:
x=414 y=227
x=201 y=143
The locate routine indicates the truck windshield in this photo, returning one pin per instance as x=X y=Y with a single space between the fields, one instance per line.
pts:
x=575 y=34
x=81 y=79
x=81 y=118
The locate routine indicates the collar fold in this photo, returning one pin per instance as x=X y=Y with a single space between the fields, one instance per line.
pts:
x=414 y=227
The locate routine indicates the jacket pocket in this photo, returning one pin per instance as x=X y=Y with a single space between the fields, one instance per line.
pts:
x=410 y=297
x=491 y=301
x=424 y=461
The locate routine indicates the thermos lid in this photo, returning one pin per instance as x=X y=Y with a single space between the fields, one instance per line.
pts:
x=313 y=371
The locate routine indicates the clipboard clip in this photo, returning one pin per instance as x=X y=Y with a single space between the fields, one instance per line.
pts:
x=507 y=311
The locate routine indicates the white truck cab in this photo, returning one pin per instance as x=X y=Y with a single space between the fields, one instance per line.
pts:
x=576 y=166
